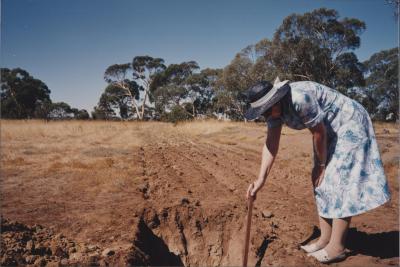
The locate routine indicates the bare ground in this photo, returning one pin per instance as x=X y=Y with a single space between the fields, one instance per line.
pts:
x=158 y=194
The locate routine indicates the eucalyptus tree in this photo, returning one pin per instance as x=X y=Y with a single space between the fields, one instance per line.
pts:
x=129 y=86
x=121 y=92
x=234 y=80
x=317 y=46
x=43 y=108
x=80 y=114
x=201 y=91
x=60 y=110
x=118 y=98
x=261 y=68
x=145 y=68
x=21 y=94
x=170 y=87
x=382 y=83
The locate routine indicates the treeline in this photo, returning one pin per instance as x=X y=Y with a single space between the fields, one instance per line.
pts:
x=314 y=46
x=24 y=97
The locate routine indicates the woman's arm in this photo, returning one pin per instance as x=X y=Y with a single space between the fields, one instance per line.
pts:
x=270 y=149
x=320 y=150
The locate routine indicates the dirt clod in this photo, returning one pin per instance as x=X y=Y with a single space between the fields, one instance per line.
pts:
x=19 y=248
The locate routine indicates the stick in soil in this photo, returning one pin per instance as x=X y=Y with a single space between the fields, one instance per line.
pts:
x=248 y=226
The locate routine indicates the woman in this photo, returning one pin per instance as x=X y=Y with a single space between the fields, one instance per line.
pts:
x=347 y=176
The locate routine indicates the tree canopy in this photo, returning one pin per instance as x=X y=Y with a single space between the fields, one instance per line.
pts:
x=382 y=84
x=21 y=94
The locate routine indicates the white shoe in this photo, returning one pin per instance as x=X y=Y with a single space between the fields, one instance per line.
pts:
x=323 y=257
x=310 y=248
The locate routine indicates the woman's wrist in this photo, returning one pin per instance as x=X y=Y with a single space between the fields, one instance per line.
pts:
x=257 y=183
x=260 y=180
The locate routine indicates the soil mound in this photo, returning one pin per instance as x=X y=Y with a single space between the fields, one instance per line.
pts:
x=39 y=246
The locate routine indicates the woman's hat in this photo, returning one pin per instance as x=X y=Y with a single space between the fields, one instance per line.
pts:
x=263 y=95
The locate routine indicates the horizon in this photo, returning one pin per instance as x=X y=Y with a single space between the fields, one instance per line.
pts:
x=69 y=44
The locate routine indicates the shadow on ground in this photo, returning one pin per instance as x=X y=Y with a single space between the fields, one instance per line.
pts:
x=150 y=250
x=381 y=245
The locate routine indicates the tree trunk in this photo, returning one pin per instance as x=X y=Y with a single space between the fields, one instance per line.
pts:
x=143 y=105
x=136 y=108
x=122 y=84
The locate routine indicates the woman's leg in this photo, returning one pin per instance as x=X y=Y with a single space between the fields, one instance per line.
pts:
x=326 y=229
x=337 y=241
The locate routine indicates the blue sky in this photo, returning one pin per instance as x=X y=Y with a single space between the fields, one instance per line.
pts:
x=69 y=43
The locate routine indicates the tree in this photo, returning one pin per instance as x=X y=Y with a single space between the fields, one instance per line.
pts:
x=43 y=109
x=316 y=46
x=104 y=109
x=99 y=113
x=60 y=110
x=349 y=73
x=230 y=103
x=80 y=114
x=260 y=68
x=169 y=95
x=121 y=92
x=235 y=79
x=21 y=94
x=129 y=95
x=382 y=84
x=145 y=68
x=120 y=98
x=200 y=88
x=171 y=86
x=177 y=113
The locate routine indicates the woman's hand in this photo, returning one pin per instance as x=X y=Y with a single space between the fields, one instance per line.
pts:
x=253 y=189
x=317 y=175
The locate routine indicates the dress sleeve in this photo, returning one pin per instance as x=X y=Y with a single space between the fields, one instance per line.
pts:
x=308 y=108
x=274 y=122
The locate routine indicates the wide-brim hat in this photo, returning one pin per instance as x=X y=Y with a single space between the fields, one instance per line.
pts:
x=263 y=95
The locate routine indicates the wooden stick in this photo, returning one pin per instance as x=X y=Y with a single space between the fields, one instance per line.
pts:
x=248 y=226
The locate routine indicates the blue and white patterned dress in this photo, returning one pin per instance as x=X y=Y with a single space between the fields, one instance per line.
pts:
x=354 y=180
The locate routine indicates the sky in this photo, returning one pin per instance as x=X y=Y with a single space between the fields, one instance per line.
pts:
x=68 y=44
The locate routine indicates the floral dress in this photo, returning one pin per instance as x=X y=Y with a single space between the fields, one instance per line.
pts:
x=354 y=180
